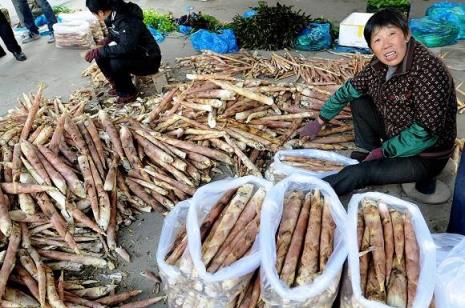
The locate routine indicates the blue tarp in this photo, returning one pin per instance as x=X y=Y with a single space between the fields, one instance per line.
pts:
x=223 y=42
x=315 y=37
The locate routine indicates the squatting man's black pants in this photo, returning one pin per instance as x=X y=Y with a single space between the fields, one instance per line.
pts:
x=118 y=70
x=369 y=134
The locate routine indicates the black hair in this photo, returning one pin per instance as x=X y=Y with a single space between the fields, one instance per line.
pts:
x=101 y=5
x=383 y=18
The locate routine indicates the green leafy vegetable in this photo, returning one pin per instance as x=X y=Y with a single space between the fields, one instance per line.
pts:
x=162 y=22
x=271 y=28
x=57 y=9
x=200 y=21
x=387 y=3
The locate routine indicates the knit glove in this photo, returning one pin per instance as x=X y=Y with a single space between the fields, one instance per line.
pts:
x=310 y=130
x=92 y=54
x=375 y=154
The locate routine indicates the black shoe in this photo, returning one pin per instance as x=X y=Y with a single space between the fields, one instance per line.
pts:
x=357 y=155
x=427 y=187
x=2 y=53
x=20 y=56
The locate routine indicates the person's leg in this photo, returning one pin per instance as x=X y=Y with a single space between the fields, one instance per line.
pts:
x=8 y=37
x=144 y=66
x=17 y=5
x=28 y=19
x=105 y=67
x=384 y=171
x=368 y=124
x=121 y=77
x=457 y=214
x=48 y=12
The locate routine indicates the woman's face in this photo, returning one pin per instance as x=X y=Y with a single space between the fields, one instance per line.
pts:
x=101 y=15
x=389 y=44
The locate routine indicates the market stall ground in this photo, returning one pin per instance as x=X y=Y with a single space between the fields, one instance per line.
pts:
x=60 y=69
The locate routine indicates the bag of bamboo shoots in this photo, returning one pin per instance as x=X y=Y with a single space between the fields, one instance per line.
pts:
x=316 y=163
x=73 y=34
x=94 y=24
x=450 y=282
x=302 y=243
x=392 y=256
x=225 y=257
x=170 y=259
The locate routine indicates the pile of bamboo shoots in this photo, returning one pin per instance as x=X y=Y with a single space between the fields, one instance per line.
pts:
x=304 y=240
x=389 y=254
x=227 y=234
x=73 y=172
x=309 y=71
x=68 y=181
x=311 y=164
x=287 y=164
x=96 y=76
x=247 y=120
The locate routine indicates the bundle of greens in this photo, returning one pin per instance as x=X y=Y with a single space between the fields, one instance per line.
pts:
x=162 y=22
x=271 y=28
x=403 y=6
x=57 y=9
x=387 y=3
x=200 y=21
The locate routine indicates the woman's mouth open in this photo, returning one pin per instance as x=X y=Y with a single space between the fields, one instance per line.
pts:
x=390 y=55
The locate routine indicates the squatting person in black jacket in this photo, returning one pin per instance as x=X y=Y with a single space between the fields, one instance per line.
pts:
x=129 y=48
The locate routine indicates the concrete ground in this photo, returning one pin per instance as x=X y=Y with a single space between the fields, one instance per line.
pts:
x=60 y=69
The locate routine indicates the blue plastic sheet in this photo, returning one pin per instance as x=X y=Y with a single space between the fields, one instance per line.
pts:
x=184 y=29
x=345 y=49
x=433 y=33
x=223 y=42
x=40 y=20
x=315 y=37
x=452 y=12
x=249 y=13
x=157 y=35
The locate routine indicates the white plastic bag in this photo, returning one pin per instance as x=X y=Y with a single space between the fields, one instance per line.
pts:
x=174 y=282
x=223 y=285
x=427 y=250
x=278 y=170
x=73 y=34
x=450 y=283
x=445 y=242
x=95 y=27
x=323 y=290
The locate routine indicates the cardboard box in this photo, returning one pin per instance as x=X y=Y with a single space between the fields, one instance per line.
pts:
x=351 y=30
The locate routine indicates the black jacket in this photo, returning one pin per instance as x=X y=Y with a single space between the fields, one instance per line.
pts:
x=126 y=28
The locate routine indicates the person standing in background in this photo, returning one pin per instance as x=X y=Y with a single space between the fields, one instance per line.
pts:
x=25 y=15
x=6 y=33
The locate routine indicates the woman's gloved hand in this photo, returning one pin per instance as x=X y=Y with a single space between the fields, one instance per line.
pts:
x=375 y=154
x=311 y=130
